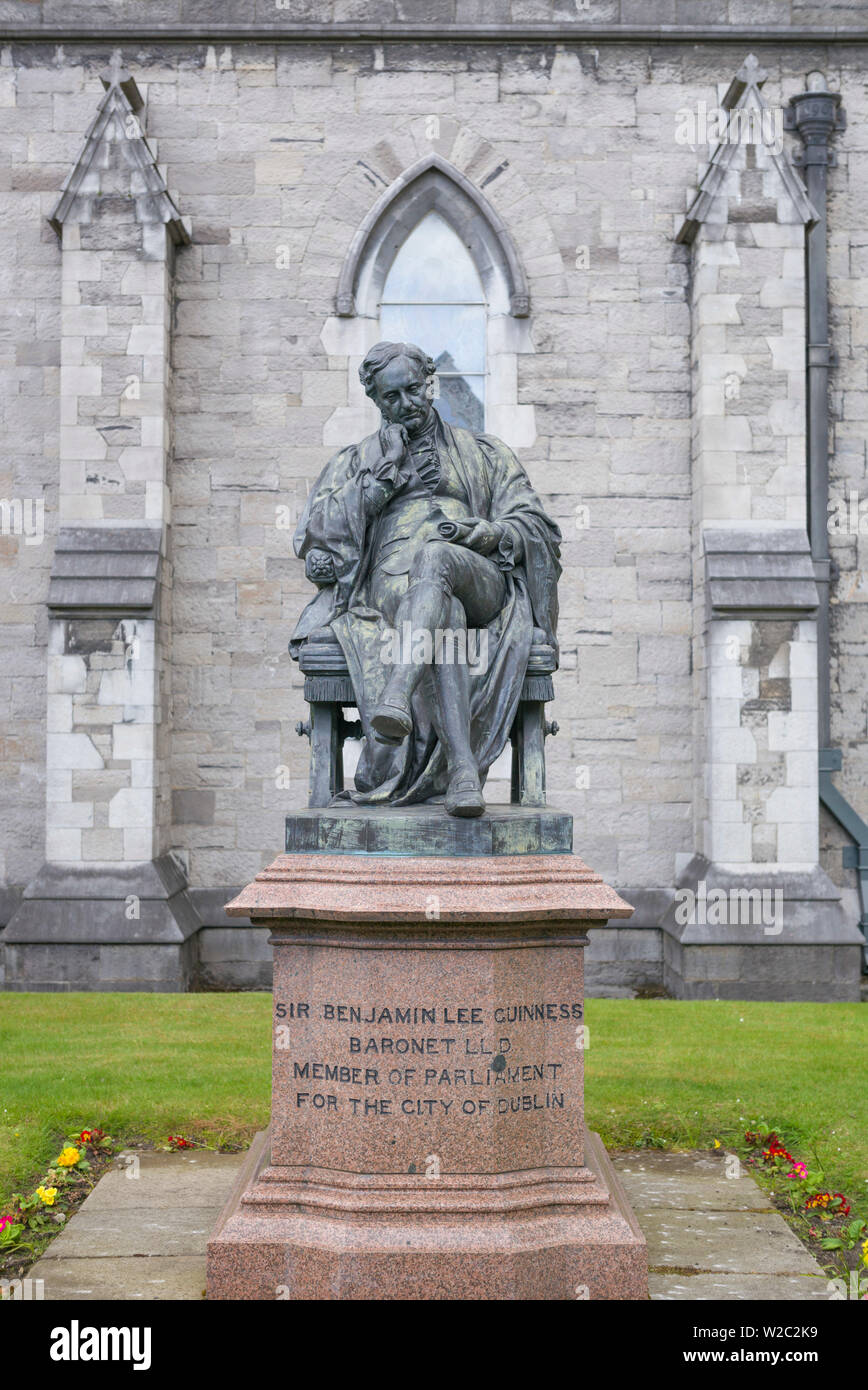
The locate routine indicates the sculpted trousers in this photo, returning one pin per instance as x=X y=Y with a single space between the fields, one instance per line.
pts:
x=451 y=587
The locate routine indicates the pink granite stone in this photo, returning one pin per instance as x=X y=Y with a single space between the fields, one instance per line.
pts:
x=427 y=1136
x=367 y=888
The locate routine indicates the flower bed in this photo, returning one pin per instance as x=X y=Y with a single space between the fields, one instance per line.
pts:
x=29 y=1221
x=822 y=1219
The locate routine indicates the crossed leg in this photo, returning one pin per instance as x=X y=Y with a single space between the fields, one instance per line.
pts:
x=451 y=588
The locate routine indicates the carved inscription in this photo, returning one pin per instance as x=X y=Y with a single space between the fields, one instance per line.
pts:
x=451 y=1061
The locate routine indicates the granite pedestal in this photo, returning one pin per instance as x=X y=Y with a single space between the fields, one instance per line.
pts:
x=427 y=1134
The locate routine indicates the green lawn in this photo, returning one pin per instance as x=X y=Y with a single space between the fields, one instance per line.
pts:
x=136 y=1065
x=660 y=1072
x=688 y=1073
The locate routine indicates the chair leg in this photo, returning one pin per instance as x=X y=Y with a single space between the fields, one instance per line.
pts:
x=528 y=755
x=326 y=753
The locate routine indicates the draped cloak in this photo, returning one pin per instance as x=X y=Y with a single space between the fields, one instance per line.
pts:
x=335 y=520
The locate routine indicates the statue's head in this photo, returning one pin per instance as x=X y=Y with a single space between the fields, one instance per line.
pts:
x=397 y=378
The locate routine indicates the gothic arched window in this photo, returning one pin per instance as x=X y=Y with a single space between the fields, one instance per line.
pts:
x=433 y=296
x=433 y=263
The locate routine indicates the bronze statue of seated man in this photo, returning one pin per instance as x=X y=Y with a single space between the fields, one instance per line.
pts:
x=437 y=566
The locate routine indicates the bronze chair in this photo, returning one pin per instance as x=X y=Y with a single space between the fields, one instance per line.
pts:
x=329 y=690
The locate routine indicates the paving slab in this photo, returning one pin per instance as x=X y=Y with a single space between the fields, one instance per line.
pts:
x=135 y=1231
x=710 y=1237
x=737 y=1288
x=164 y=1180
x=158 y=1278
x=142 y=1232
x=713 y=1236
x=735 y=1241
x=695 y=1182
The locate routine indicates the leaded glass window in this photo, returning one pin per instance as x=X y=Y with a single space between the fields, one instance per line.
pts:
x=433 y=297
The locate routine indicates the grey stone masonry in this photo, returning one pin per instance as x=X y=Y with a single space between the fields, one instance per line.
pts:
x=759 y=572
x=782 y=936
x=185 y=191
x=402 y=19
x=103 y=570
x=113 y=928
x=109 y=644
x=756 y=804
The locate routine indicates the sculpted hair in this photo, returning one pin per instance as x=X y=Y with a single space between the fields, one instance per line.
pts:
x=381 y=354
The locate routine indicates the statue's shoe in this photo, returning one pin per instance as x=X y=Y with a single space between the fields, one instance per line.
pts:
x=392 y=722
x=464 y=793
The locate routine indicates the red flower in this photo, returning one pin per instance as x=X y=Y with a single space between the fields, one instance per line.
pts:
x=824 y=1199
x=776 y=1150
x=179 y=1142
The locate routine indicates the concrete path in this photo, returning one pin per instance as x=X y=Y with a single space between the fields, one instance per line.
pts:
x=709 y=1237
x=142 y=1236
x=713 y=1237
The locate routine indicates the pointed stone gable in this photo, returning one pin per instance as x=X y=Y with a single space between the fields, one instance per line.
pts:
x=749 y=167
x=117 y=161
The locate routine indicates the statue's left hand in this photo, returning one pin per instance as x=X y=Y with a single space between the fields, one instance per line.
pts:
x=483 y=537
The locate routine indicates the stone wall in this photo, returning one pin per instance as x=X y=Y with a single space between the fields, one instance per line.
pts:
x=500 y=17
x=274 y=151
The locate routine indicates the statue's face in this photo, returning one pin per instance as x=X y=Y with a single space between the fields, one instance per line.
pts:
x=401 y=393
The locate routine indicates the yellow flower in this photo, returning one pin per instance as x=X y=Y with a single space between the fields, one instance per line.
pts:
x=69 y=1157
x=47 y=1194
x=717 y=1143
x=865 y=1252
